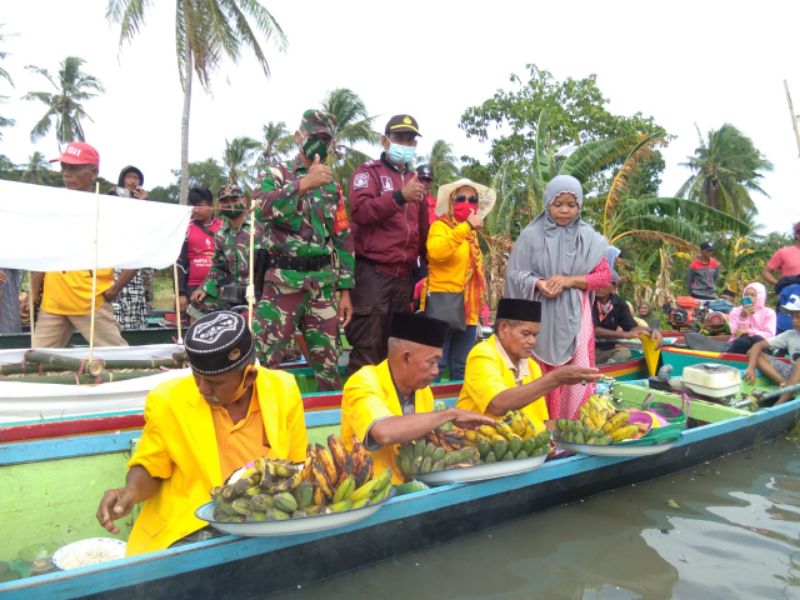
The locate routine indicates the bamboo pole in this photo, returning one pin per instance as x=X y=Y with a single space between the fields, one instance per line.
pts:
x=31 y=308
x=251 y=290
x=177 y=302
x=94 y=271
x=794 y=116
x=86 y=379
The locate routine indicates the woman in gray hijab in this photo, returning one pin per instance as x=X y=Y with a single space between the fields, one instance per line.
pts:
x=560 y=260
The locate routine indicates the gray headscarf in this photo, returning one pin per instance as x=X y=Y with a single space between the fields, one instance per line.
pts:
x=545 y=249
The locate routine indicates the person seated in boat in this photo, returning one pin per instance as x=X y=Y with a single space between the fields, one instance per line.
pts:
x=613 y=321
x=750 y=322
x=647 y=317
x=199 y=429
x=501 y=374
x=391 y=403
x=779 y=371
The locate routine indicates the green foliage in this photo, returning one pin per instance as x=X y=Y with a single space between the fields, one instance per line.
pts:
x=443 y=162
x=208 y=174
x=276 y=144
x=64 y=107
x=238 y=158
x=727 y=167
x=353 y=125
x=4 y=121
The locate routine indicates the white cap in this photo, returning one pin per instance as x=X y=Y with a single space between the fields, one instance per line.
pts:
x=793 y=304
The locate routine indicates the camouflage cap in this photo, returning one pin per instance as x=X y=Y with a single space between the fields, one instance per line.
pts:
x=316 y=122
x=229 y=190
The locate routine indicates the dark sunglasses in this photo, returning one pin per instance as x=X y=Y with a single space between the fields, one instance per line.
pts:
x=470 y=199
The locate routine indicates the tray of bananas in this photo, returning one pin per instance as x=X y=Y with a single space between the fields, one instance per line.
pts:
x=267 y=497
x=602 y=430
x=453 y=455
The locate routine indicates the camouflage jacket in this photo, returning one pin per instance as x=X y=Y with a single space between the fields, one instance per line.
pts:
x=312 y=226
x=231 y=262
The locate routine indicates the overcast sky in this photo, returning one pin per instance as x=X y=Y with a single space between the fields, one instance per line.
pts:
x=684 y=63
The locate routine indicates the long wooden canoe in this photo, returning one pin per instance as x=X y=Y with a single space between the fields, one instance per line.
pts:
x=55 y=488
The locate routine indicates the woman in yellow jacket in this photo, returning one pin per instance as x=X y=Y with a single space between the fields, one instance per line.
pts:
x=455 y=263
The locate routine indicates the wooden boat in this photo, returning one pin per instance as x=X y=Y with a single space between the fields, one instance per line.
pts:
x=21 y=402
x=54 y=490
x=680 y=358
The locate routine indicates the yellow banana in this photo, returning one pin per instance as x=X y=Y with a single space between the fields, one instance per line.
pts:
x=624 y=433
x=325 y=459
x=618 y=420
x=322 y=481
x=338 y=451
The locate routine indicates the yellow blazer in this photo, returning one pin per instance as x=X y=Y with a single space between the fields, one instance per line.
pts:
x=370 y=395
x=178 y=445
x=486 y=375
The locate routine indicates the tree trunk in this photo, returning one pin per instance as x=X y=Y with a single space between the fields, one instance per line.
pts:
x=187 y=103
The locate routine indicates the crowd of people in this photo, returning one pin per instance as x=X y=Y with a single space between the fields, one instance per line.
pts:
x=314 y=265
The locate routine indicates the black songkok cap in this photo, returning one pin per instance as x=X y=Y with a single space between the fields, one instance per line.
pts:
x=218 y=343
x=418 y=328
x=514 y=309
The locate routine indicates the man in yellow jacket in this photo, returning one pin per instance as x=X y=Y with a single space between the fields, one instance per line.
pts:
x=501 y=375
x=391 y=403
x=200 y=429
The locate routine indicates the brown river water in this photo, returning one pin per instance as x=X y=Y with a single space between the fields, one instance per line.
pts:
x=726 y=529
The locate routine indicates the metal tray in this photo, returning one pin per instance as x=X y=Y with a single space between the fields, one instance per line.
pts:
x=289 y=526
x=482 y=472
x=615 y=449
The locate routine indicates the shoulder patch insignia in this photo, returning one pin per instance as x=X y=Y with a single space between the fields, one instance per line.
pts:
x=361 y=180
x=386 y=182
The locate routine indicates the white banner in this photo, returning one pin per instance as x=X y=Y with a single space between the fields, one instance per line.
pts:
x=53 y=229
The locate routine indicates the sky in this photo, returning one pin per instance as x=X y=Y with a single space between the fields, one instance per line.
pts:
x=691 y=65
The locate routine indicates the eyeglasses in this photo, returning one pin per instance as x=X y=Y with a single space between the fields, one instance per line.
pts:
x=470 y=199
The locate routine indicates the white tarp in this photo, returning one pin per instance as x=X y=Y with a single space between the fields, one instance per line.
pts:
x=25 y=401
x=53 y=229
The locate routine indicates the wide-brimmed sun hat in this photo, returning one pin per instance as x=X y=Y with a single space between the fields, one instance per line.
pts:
x=486 y=196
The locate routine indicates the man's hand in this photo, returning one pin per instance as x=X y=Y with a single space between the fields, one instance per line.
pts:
x=655 y=335
x=183 y=303
x=115 y=504
x=475 y=221
x=466 y=419
x=197 y=296
x=750 y=375
x=573 y=374
x=413 y=190
x=345 y=312
x=317 y=176
x=140 y=194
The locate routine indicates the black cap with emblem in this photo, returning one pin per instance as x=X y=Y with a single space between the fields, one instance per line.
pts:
x=402 y=124
x=218 y=343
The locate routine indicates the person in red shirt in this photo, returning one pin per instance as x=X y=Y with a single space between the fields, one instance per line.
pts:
x=197 y=253
x=703 y=273
x=786 y=260
x=390 y=229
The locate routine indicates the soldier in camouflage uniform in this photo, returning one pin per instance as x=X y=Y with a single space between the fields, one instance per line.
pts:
x=310 y=255
x=231 y=262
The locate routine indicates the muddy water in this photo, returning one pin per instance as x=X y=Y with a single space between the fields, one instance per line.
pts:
x=727 y=529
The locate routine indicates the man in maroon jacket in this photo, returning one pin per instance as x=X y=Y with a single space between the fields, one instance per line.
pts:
x=390 y=228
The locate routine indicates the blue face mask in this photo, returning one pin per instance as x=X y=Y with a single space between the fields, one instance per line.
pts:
x=400 y=154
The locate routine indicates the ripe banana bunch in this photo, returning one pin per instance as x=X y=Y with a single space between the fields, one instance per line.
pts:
x=599 y=424
x=330 y=480
x=512 y=438
x=263 y=490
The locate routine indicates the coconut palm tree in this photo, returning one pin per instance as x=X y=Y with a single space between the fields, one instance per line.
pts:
x=727 y=167
x=443 y=162
x=276 y=142
x=35 y=168
x=205 y=31
x=4 y=121
x=353 y=125
x=238 y=159
x=64 y=107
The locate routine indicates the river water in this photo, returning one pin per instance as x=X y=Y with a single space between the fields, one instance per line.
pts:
x=726 y=529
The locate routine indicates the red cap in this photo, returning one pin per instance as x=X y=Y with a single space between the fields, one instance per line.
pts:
x=79 y=153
